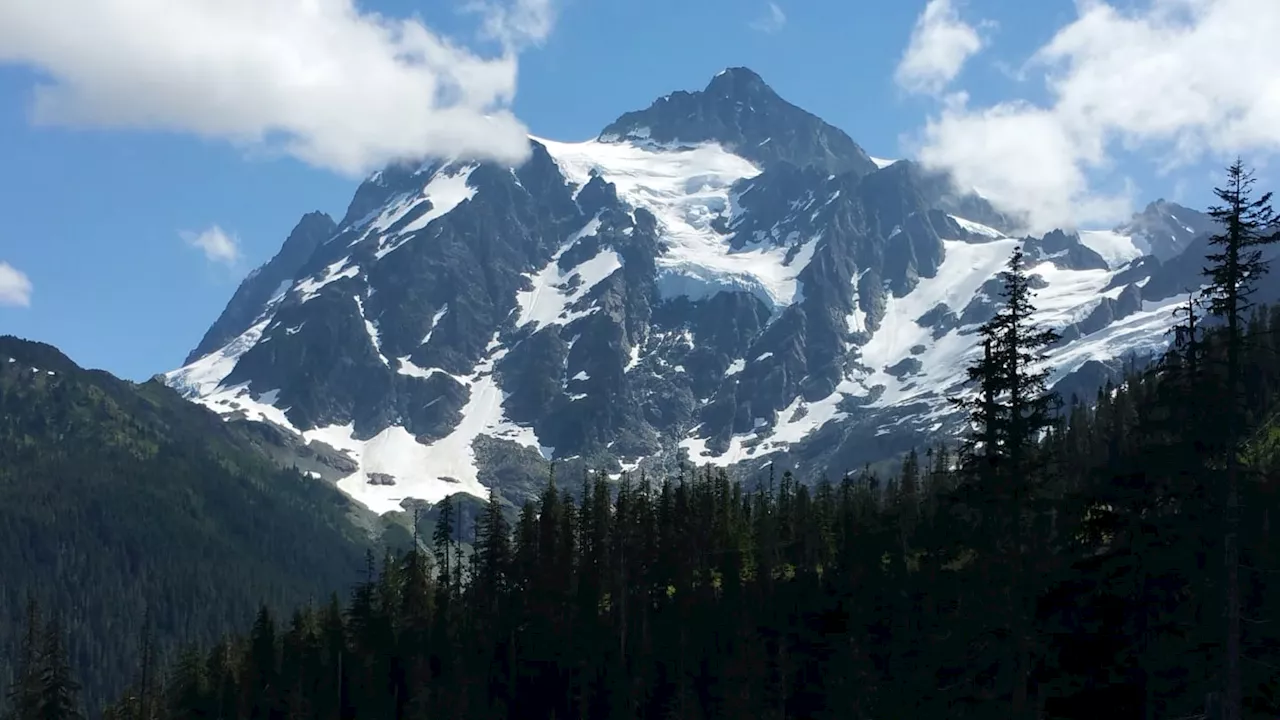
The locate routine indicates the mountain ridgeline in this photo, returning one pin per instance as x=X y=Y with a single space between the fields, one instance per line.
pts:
x=720 y=278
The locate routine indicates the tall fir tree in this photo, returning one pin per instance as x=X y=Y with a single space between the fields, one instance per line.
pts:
x=1012 y=410
x=442 y=537
x=59 y=692
x=1236 y=265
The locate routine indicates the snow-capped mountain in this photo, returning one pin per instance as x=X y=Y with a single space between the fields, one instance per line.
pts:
x=721 y=276
x=1166 y=229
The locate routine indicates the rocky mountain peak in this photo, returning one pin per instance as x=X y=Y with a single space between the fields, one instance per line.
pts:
x=267 y=281
x=1166 y=229
x=739 y=110
x=739 y=83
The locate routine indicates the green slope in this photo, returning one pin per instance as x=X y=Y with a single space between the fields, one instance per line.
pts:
x=116 y=497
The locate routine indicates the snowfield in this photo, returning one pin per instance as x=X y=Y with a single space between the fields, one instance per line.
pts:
x=1118 y=250
x=428 y=471
x=553 y=291
x=686 y=189
x=1068 y=297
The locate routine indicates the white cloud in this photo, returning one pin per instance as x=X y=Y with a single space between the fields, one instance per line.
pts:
x=772 y=21
x=15 y=287
x=216 y=244
x=521 y=24
x=1176 y=82
x=940 y=44
x=318 y=79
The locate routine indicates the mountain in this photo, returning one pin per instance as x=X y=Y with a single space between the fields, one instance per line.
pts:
x=1166 y=229
x=744 y=115
x=120 y=502
x=264 y=283
x=721 y=277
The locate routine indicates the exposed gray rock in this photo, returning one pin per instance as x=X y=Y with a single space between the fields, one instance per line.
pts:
x=394 y=321
x=1165 y=229
x=264 y=283
x=738 y=109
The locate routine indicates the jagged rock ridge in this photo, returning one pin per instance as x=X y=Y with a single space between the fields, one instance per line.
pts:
x=722 y=276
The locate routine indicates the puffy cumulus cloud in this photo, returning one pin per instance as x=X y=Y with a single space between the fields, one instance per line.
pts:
x=1173 y=81
x=941 y=42
x=1023 y=159
x=317 y=79
x=772 y=21
x=15 y=287
x=215 y=243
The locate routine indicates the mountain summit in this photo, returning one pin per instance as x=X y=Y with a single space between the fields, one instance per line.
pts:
x=267 y=281
x=741 y=112
x=721 y=277
x=1166 y=229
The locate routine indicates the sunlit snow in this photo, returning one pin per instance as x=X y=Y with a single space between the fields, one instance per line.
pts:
x=446 y=190
x=239 y=399
x=435 y=320
x=794 y=423
x=205 y=374
x=202 y=376
x=977 y=228
x=1142 y=332
x=964 y=269
x=310 y=287
x=1115 y=248
x=405 y=367
x=1068 y=298
x=554 y=291
x=687 y=189
x=371 y=330
x=429 y=471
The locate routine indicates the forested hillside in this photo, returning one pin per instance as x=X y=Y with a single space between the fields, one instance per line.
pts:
x=123 y=505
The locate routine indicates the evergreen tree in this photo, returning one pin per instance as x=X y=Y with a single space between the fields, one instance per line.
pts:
x=493 y=552
x=442 y=540
x=263 y=668
x=188 y=688
x=59 y=692
x=147 y=691
x=1233 y=272
x=1010 y=414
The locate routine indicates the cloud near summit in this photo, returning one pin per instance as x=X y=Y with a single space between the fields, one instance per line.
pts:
x=940 y=44
x=316 y=79
x=217 y=245
x=1171 y=81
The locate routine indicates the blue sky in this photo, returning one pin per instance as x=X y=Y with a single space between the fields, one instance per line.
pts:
x=109 y=178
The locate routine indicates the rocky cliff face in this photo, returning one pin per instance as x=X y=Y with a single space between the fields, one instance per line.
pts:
x=1165 y=229
x=721 y=277
x=266 y=282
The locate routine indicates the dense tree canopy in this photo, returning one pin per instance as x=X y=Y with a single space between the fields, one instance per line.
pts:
x=123 y=503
